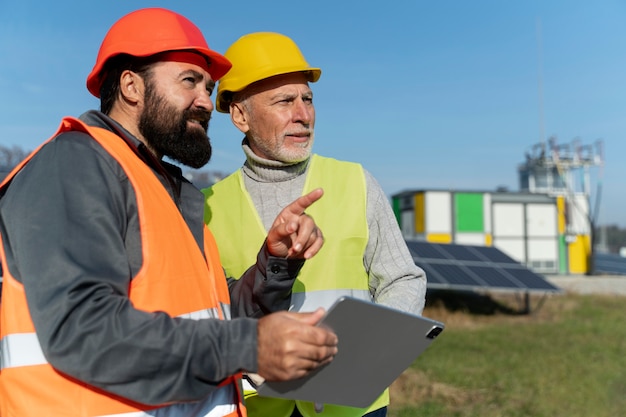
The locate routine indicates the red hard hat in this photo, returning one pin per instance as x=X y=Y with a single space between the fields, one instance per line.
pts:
x=150 y=31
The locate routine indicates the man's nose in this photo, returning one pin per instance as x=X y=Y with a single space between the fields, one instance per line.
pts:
x=303 y=111
x=203 y=100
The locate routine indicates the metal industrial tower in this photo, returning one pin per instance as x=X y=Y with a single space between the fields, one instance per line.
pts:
x=550 y=167
x=564 y=170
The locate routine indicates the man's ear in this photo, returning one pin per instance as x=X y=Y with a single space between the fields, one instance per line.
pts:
x=131 y=87
x=239 y=117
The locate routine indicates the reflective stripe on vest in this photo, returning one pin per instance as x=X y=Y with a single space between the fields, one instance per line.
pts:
x=310 y=300
x=335 y=271
x=23 y=349
x=218 y=404
x=169 y=251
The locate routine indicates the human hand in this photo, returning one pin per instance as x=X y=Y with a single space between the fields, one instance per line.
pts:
x=290 y=345
x=294 y=234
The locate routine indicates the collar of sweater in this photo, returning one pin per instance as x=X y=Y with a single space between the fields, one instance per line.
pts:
x=265 y=170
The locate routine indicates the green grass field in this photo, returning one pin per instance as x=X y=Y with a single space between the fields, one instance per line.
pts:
x=566 y=358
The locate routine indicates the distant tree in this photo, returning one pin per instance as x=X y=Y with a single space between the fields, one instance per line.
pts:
x=10 y=157
x=203 y=179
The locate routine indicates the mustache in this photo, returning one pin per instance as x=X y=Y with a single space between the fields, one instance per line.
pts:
x=300 y=132
x=200 y=115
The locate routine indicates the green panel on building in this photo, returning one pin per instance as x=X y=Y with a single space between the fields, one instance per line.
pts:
x=469 y=214
x=563 y=269
x=395 y=204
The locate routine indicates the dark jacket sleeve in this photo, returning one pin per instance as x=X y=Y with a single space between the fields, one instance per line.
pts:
x=265 y=287
x=70 y=230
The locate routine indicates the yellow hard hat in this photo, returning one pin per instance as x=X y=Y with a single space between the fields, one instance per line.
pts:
x=258 y=56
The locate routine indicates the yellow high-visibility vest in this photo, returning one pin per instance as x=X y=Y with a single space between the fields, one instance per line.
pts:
x=335 y=271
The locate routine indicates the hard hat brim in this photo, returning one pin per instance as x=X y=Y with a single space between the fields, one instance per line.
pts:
x=222 y=104
x=148 y=32
x=219 y=65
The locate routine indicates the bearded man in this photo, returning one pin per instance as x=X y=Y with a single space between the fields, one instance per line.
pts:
x=114 y=301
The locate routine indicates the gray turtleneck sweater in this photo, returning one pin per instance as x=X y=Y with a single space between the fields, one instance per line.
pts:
x=394 y=279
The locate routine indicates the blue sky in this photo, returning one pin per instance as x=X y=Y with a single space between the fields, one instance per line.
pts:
x=425 y=94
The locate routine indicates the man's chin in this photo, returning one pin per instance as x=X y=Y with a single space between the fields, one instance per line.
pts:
x=196 y=162
x=192 y=160
x=295 y=159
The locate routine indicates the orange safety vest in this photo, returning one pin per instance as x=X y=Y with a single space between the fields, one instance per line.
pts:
x=176 y=277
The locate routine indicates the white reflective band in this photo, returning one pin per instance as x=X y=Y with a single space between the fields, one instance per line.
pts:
x=226 y=311
x=309 y=301
x=209 y=313
x=21 y=349
x=218 y=404
x=247 y=386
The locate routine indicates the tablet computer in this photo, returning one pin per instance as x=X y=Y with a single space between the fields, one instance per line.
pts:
x=376 y=344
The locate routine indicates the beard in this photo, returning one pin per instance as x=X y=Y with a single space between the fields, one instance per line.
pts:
x=278 y=151
x=168 y=133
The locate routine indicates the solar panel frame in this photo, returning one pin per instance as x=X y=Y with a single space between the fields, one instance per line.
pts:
x=494 y=254
x=463 y=253
x=417 y=248
x=609 y=263
x=471 y=267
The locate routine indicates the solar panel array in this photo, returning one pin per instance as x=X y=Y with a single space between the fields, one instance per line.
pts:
x=609 y=263
x=466 y=267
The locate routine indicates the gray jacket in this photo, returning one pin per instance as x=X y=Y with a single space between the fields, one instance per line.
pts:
x=70 y=231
